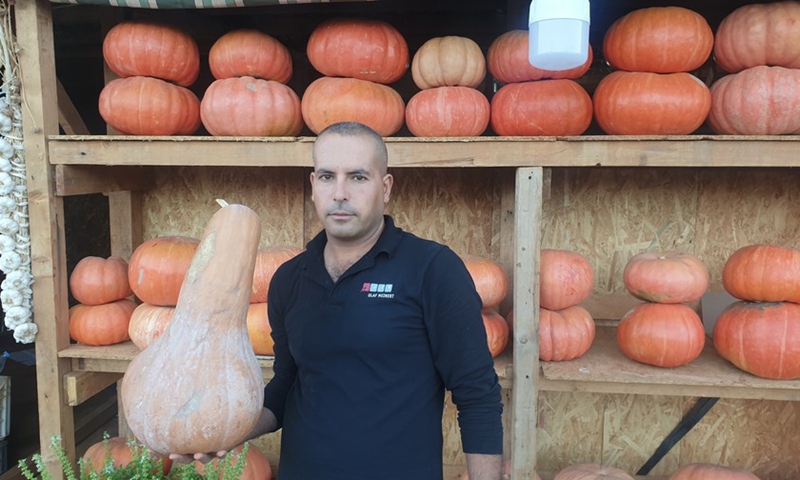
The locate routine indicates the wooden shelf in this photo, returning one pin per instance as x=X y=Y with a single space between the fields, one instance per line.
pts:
x=605 y=369
x=582 y=151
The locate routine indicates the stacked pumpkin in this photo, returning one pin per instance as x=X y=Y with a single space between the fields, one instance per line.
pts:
x=663 y=331
x=491 y=282
x=761 y=333
x=652 y=93
x=103 y=313
x=448 y=70
x=566 y=330
x=535 y=102
x=759 y=45
x=358 y=58
x=156 y=63
x=249 y=96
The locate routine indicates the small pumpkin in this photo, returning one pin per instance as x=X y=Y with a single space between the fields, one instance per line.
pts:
x=507 y=61
x=643 y=103
x=759 y=34
x=756 y=101
x=659 y=40
x=358 y=48
x=703 y=471
x=251 y=107
x=664 y=335
x=565 y=334
x=761 y=338
x=329 y=100
x=248 y=52
x=490 y=279
x=668 y=277
x=542 y=108
x=449 y=61
x=497 y=332
x=148 y=322
x=97 y=280
x=149 y=106
x=105 y=324
x=259 y=330
x=566 y=278
x=158 y=266
x=591 y=471
x=267 y=262
x=763 y=273
x=448 y=112
x=142 y=48
x=256 y=465
x=119 y=452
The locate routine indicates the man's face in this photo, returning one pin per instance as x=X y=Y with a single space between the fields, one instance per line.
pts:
x=348 y=187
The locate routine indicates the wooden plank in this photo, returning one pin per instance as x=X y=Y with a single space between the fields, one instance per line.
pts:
x=125 y=222
x=34 y=27
x=81 y=386
x=68 y=116
x=82 y=179
x=527 y=225
x=585 y=151
x=505 y=255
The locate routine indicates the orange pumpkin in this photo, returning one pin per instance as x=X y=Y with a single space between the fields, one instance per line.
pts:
x=591 y=471
x=450 y=61
x=669 y=277
x=250 y=53
x=659 y=39
x=118 y=451
x=565 y=279
x=158 y=266
x=507 y=61
x=256 y=465
x=565 y=334
x=761 y=338
x=105 y=324
x=703 y=471
x=547 y=107
x=139 y=48
x=756 y=101
x=448 y=112
x=149 y=106
x=491 y=280
x=497 y=332
x=763 y=273
x=329 y=100
x=148 y=322
x=664 y=335
x=259 y=330
x=96 y=280
x=267 y=262
x=759 y=34
x=358 y=48
x=642 y=103
x=251 y=107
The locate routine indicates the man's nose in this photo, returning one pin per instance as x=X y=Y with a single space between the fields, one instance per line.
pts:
x=340 y=194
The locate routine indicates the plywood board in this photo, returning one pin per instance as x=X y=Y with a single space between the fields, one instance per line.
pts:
x=570 y=429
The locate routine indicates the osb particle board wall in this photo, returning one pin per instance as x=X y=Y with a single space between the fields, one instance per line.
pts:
x=605 y=213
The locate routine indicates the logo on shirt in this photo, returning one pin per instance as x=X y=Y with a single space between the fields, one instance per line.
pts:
x=378 y=290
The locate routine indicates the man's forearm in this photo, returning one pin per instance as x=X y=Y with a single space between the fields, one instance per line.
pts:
x=267 y=423
x=484 y=467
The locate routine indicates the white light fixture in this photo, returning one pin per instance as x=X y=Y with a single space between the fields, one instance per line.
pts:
x=558 y=36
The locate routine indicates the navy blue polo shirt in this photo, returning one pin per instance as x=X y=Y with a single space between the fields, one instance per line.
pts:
x=361 y=364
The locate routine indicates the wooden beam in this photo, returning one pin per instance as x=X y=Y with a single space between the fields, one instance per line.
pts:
x=68 y=116
x=81 y=386
x=86 y=179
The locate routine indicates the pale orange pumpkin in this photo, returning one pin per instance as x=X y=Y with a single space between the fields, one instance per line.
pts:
x=448 y=112
x=566 y=278
x=490 y=279
x=664 y=335
x=267 y=262
x=450 y=61
x=148 y=322
x=358 y=48
x=507 y=61
x=259 y=330
x=158 y=266
x=592 y=471
x=251 y=107
x=141 y=48
x=149 y=106
x=97 y=280
x=256 y=465
x=668 y=277
x=709 y=471
x=763 y=273
x=250 y=53
x=118 y=451
x=565 y=334
x=541 y=108
x=105 y=324
x=330 y=100
x=497 y=332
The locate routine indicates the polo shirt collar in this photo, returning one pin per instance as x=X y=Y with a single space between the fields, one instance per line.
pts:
x=387 y=243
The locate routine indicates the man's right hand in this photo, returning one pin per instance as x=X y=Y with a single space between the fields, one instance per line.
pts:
x=180 y=458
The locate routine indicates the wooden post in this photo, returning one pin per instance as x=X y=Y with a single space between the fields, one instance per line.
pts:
x=524 y=396
x=34 y=24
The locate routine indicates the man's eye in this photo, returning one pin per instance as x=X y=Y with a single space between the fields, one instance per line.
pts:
x=325 y=176
x=360 y=178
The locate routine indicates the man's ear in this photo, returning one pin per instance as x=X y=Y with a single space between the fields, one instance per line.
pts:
x=388 y=181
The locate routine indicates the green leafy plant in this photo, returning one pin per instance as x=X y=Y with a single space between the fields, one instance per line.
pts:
x=142 y=466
